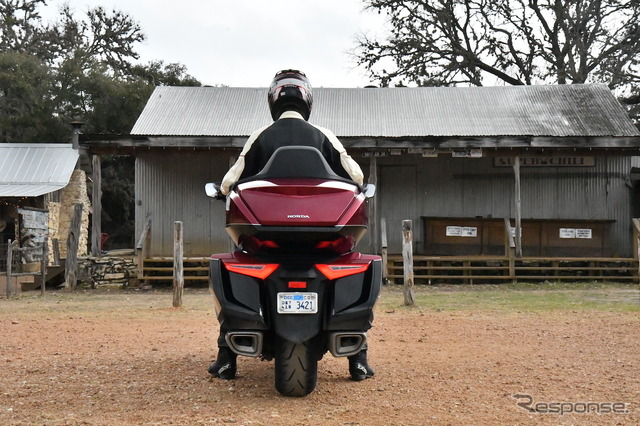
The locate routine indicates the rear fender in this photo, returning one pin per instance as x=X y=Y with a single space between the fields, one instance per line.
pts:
x=239 y=298
x=297 y=328
x=354 y=297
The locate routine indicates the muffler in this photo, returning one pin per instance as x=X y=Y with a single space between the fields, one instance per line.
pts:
x=245 y=343
x=346 y=343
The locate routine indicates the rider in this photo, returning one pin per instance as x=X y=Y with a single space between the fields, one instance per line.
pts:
x=290 y=99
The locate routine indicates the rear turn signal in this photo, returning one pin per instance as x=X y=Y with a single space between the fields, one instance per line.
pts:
x=333 y=272
x=252 y=270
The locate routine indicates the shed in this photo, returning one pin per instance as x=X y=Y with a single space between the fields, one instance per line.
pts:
x=31 y=179
x=444 y=157
x=29 y=173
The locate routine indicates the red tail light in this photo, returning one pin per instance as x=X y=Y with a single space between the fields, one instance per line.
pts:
x=252 y=270
x=297 y=284
x=333 y=272
x=339 y=245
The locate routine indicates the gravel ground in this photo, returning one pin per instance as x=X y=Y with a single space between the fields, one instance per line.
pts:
x=128 y=358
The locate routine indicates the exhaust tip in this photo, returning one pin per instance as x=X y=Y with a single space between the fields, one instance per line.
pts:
x=346 y=343
x=245 y=343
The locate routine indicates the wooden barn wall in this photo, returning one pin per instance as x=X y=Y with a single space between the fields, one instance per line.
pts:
x=170 y=187
x=411 y=187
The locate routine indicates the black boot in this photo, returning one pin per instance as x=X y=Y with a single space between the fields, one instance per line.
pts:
x=359 y=367
x=225 y=365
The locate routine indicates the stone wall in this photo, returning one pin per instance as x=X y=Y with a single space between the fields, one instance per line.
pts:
x=54 y=231
x=107 y=270
x=75 y=192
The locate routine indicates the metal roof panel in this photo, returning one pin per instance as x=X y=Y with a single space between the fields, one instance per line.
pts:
x=564 y=110
x=30 y=170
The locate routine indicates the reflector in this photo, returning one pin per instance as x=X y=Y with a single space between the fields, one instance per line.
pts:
x=252 y=270
x=333 y=272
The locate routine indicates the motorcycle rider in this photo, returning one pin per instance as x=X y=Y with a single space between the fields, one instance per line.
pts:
x=290 y=100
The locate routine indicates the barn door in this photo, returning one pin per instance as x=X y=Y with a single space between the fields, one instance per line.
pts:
x=397 y=202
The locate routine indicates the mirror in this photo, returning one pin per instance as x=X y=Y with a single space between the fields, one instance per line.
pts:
x=212 y=190
x=369 y=190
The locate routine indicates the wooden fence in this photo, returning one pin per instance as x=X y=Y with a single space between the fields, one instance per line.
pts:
x=512 y=268
x=437 y=269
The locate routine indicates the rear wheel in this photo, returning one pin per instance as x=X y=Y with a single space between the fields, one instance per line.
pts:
x=296 y=367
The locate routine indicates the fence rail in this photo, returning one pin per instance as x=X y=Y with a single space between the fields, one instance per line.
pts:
x=484 y=269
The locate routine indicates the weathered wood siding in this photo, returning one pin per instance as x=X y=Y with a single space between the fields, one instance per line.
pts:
x=170 y=187
x=473 y=187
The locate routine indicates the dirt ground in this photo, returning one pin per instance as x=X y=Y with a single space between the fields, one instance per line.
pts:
x=129 y=358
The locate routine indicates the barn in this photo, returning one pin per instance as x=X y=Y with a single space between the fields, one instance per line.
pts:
x=555 y=161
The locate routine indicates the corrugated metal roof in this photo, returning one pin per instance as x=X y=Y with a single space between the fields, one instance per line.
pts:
x=565 y=110
x=29 y=170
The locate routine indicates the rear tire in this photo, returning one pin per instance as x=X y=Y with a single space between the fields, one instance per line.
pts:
x=296 y=368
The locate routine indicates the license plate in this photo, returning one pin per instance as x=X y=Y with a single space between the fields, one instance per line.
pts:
x=297 y=303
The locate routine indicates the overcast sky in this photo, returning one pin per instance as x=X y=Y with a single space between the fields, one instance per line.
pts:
x=242 y=43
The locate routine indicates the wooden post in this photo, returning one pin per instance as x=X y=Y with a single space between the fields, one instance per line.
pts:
x=636 y=236
x=9 y=262
x=96 y=200
x=178 y=264
x=385 y=253
x=518 y=237
x=56 y=251
x=636 y=243
x=71 y=264
x=178 y=270
x=373 y=207
x=509 y=249
x=407 y=261
x=43 y=265
x=143 y=247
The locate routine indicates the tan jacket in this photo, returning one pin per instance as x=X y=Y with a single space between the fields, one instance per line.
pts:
x=348 y=163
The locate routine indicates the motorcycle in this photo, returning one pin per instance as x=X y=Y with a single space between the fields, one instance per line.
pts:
x=294 y=288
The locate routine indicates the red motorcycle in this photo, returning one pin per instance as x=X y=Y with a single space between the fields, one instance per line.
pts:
x=295 y=288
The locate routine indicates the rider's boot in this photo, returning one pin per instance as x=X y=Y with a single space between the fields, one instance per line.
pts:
x=359 y=367
x=225 y=365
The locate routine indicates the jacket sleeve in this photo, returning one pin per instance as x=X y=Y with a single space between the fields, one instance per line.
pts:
x=234 y=173
x=348 y=163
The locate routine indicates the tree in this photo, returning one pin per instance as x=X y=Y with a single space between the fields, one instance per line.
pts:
x=21 y=29
x=25 y=100
x=51 y=74
x=157 y=73
x=449 y=42
x=79 y=68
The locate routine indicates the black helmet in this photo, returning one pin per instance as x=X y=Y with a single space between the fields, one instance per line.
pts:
x=290 y=89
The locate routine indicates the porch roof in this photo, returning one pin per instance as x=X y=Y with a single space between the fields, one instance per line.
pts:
x=33 y=169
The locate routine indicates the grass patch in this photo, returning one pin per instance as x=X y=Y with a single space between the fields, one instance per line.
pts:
x=106 y=302
x=521 y=297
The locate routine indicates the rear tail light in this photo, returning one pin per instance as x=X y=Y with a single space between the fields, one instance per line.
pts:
x=333 y=272
x=261 y=271
x=253 y=244
x=339 y=245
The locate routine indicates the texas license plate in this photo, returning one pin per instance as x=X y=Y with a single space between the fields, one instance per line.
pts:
x=297 y=303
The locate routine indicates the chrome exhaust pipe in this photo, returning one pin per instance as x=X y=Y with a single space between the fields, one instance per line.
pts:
x=245 y=343
x=346 y=343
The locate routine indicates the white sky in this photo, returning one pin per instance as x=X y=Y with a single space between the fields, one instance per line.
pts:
x=242 y=43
